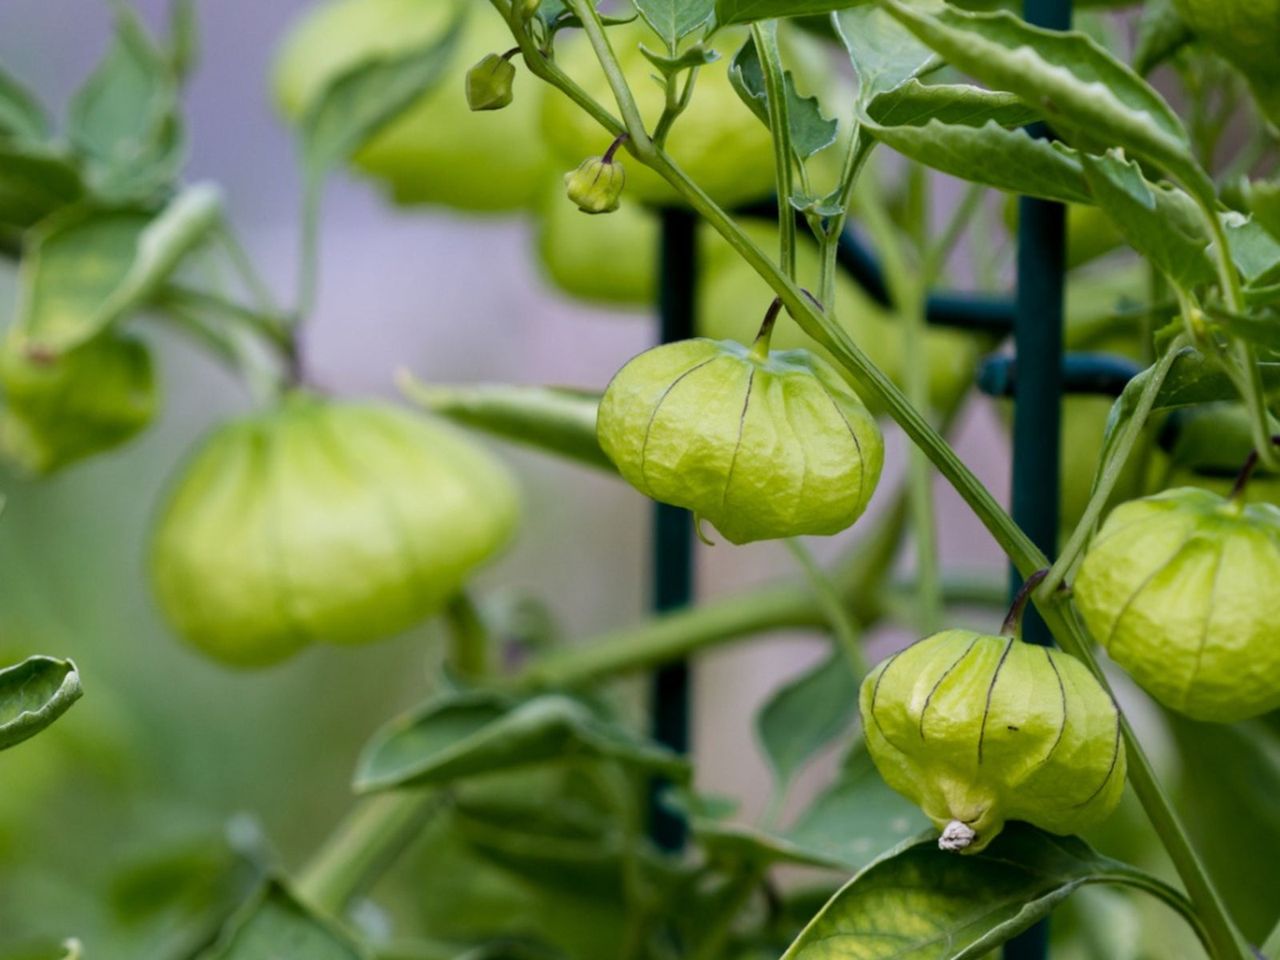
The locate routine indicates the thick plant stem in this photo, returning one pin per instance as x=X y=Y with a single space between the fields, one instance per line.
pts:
x=362 y=847
x=765 y=36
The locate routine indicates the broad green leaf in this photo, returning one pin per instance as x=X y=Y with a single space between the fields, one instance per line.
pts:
x=1081 y=88
x=126 y=119
x=989 y=154
x=89 y=269
x=471 y=734
x=914 y=103
x=1255 y=252
x=553 y=419
x=919 y=901
x=673 y=20
x=1264 y=202
x=811 y=132
x=858 y=817
x=1231 y=812
x=276 y=926
x=33 y=184
x=885 y=54
x=806 y=714
x=1159 y=221
x=33 y=694
x=747 y=11
x=360 y=102
x=22 y=119
x=1161 y=32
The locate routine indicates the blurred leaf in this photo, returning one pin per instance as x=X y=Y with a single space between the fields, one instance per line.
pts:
x=1227 y=792
x=918 y=897
x=468 y=734
x=33 y=694
x=1255 y=252
x=88 y=269
x=885 y=54
x=1160 y=222
x=811 y=132
x=33 y=184
x=22 y=119
x=1264 y=202
x=673 y=20
x=126 y=119
x=1161 y=32
x=275 y=926
x=64 y=408
x=184 y=37
x=806 y=714
x=359 y=102
x=555 y=420
x=1082 y=89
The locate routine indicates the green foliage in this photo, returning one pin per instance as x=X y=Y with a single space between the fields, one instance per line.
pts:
x=33 y=694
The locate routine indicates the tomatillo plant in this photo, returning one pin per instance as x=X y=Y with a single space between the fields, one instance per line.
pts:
x=515 y=798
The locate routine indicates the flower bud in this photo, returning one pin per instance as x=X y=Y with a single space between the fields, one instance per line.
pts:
x=1183 y=590
x=63 y=408
x=979 y=730
x=596 y=186
x=528 y=8
x=323 y=521
x=761 y=446
x=490 y=83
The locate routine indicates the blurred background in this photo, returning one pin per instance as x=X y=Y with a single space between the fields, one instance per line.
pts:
x=166 y=746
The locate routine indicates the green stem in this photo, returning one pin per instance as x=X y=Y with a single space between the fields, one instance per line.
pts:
x=843 y=627
x=1021 y=551
x=1172 y=898
x=594 y=28
x=243 y=265
x=1129 y=436
x=717 y=930
x=362 y=848
x=1271 y=949
x=468 y=638
x=765 y=35
x=860 y=147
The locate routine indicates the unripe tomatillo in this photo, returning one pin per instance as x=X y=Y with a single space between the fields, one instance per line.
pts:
x=1183 y=590
x=490 y=83
x=979 y=730
x=761 y=444
x=596 y=185
x=323 y=521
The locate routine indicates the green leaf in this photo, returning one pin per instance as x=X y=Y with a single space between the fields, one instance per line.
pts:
x=33 y=694
x=1159 y=221
x=914 y=103
x=34 y=183
x=919 y=901
x=88 y=269
x=696 y=55
x=1264 y=331
x=22 y=119
x=1254 y=250
x=673 y=20
x=748 y=11
x=126 y=119
x=989 y=154
x=1264 y=203
x=184 y=37
x=1082 y=89
x=811 y=132
x=275 y=926
x=470 y=734
x=555 y=420
x=885 y=54
x=1161 y=33
x=806 y=714
x=360 y=102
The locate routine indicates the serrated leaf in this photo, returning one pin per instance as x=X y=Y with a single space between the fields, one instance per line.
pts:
x=275 y=925
x=885 y=54
x=34 y=183
x=697 y=55
x=806 y=714
x=914 y=103
x=1082 y=89
x=922 y=901
x=673 y=20
x=1161 y=33
x=467 y=735
x=33 y=694
x=811 y=132
x=555 y=420
x=22 y=119
x=1159 y=221
x=748 y=11
x=87 y=270
x=125 y=120
x=1005 y=159
x=361 y=101
x=1255 y=252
